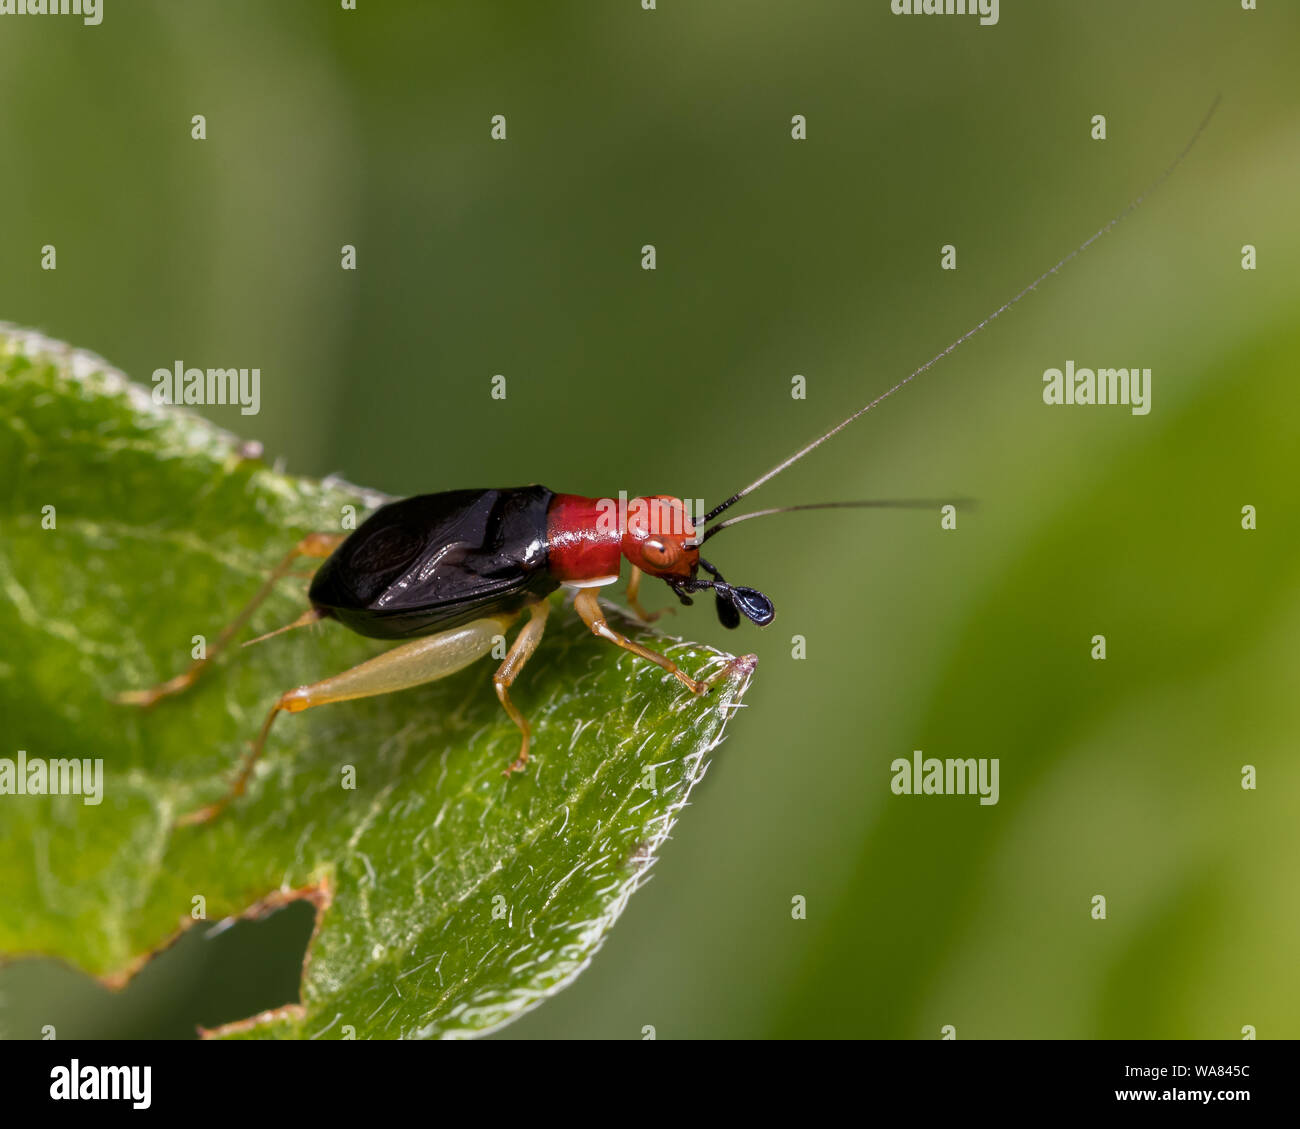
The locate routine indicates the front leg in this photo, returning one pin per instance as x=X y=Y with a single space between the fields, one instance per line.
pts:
x=633 y=597
x=588 y=606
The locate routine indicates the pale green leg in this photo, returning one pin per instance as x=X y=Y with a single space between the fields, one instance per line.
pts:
x=411 y=664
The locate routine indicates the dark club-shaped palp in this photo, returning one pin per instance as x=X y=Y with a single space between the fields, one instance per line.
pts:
x=732 y=601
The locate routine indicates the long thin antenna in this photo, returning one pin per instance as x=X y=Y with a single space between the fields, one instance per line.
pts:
x=873 y=504
x=1002 y=309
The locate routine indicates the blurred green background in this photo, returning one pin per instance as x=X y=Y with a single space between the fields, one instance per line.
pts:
x=328 y=127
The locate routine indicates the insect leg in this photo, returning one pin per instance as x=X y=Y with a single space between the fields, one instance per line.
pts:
x=319 y=545
x=421 y=660
x=589 y=608
x=524 y=645
x=633 y=594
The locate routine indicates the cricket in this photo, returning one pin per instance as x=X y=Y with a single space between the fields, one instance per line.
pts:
x=444 y=575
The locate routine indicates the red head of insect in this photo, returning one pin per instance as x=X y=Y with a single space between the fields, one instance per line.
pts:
x=655 y=536
x=660 y=539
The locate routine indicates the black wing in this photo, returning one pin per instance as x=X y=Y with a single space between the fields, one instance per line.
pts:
x=438 y=560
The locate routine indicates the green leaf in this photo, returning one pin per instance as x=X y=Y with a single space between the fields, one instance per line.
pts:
x=450 y=899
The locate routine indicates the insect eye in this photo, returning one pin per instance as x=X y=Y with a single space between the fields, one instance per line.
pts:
x=657 y=553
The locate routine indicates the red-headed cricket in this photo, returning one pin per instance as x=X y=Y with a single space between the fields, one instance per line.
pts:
x=446 y=575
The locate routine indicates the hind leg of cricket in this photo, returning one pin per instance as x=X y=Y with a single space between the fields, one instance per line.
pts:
x=589 y=608
x=317 y=545
x=524 y=645
x=426 y=659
